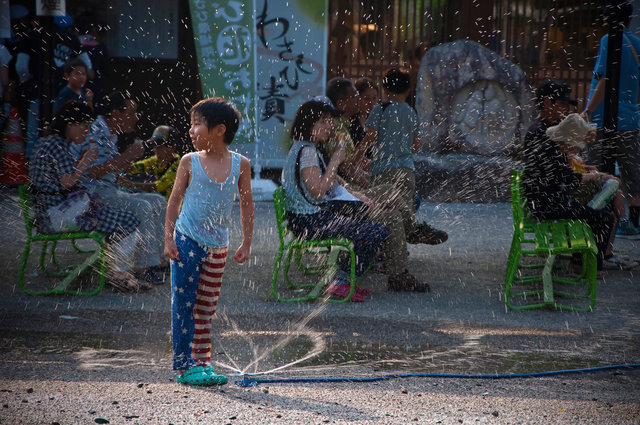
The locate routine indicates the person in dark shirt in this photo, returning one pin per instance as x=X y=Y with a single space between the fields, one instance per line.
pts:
x=548 y=179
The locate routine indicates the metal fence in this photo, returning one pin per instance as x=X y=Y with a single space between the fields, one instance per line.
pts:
x=546 y=38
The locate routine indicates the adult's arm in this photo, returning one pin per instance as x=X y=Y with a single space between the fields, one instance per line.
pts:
x=596 y=98
x=88 y=158
x=121 y=162
x=317 y=183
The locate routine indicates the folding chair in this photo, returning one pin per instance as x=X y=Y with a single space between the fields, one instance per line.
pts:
x=547 y=239
x=69 y=273
x=326 y=250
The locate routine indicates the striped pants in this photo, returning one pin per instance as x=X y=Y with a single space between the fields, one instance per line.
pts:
x=195 y=286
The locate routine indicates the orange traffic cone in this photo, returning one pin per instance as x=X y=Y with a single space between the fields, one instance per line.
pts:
x=14 y=164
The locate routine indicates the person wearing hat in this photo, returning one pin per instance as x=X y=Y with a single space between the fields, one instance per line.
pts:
x=625 y=146
x=56 y=181
x=554 y=102
x=548 y=180
x=158 y=172
x=572 y=135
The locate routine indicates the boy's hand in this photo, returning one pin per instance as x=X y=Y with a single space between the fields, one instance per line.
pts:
x=241 y=255
x=171 y=249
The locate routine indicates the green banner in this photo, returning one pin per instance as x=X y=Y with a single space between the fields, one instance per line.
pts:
x=223 y=31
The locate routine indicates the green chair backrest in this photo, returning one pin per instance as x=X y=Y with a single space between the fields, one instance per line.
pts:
x=281 y=213
x=517 y=201
x=26 y=204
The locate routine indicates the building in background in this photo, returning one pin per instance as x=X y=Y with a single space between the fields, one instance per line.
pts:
x=153 y=53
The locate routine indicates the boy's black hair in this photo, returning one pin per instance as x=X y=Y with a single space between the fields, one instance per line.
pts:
x=363 y=84
x=337 y=89
x=72 y=64
x=71 y=112
x=308 y=114
x=112 y=101
x=397 y=80
x=218 y=110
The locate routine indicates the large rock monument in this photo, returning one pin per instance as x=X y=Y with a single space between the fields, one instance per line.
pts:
x=474 y=108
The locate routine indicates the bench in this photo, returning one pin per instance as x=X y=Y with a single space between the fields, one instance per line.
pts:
x=325 y=259
x=68 y=273
x=543 y=284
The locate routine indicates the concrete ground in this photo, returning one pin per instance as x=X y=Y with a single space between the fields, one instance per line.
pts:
x=70 y=359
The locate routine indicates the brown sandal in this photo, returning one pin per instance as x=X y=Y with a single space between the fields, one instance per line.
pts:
x=125 y=282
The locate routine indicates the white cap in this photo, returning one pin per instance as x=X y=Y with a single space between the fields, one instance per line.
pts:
x=572 y=130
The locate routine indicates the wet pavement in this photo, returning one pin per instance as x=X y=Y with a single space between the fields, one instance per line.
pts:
x=460 y=327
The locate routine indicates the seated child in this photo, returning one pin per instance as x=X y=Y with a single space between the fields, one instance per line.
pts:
x=158 y=172
x=75 y=72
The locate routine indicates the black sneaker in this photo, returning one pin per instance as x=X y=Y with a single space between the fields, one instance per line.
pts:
x=405 y=281
x=427 y=235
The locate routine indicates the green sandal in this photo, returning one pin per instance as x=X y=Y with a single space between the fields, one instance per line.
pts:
x=219 y=379
x=202 y=376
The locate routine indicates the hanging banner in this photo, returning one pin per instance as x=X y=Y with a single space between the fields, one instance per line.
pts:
x=291 y=51
x=223 y=31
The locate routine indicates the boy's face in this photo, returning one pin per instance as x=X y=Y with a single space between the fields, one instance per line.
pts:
x=368 y=100
x=201 y=135
x=77 y=132
x=164 y=151
x=556 y=109
x=77 y=78
x=351 y=102
x=127 y=118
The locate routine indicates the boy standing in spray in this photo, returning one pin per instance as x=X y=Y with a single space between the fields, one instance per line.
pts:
x=196 y=234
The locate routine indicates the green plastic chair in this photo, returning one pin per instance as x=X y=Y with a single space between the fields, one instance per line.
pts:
x=68 y=273
x=326 y=250
x=547 y=240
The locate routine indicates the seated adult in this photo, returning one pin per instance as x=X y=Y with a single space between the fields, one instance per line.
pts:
x=118 y=115
x=369 y=96
x=308 y=181
x=601 y=189
x=549 y=180
x=55 y=179
x=158 y=172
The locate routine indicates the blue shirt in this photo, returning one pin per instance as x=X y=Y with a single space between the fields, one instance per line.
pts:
x=66 y=94
x=206 y=208
x=295 y=201
x=397 y=126
x=628 y=110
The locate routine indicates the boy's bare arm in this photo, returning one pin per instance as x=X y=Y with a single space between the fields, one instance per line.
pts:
x=247 y=213
x=183 y=175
